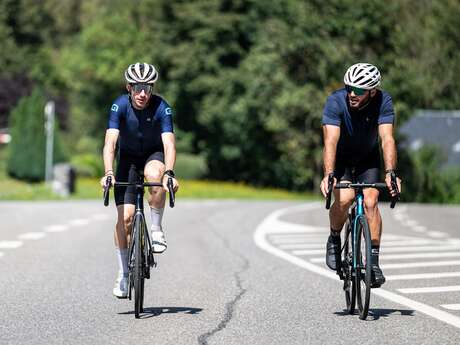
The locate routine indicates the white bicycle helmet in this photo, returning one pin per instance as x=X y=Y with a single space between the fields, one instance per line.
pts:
x=362 y=75
x=141 y=73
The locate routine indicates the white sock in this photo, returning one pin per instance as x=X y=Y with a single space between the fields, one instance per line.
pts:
x=156 y=216
x=122 y=256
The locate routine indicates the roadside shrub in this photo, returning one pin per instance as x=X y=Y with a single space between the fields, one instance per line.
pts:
x=189 y=166
x=26 y=159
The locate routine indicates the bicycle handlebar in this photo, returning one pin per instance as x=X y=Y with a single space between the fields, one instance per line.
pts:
x=109 y=184
x=378 y=185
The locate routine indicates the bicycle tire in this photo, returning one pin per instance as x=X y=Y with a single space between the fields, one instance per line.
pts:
x=349 y=286
x=138 y=265
x=364 y=267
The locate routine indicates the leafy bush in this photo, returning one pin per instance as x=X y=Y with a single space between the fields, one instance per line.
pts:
x=190 y=166
x=88 y=165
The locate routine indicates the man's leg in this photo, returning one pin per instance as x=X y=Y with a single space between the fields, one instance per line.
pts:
x=153 y=171
x=121 y=239
x=343 y=198
x=371 y=196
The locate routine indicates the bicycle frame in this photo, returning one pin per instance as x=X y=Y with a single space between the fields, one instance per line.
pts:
x=359 y=212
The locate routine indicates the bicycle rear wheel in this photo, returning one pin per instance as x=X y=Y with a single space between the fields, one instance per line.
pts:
x=348 y=285
x=364 y=268
x=139 y=228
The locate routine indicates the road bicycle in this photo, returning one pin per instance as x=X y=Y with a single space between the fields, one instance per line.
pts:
x=355 y=267
x=140 y=254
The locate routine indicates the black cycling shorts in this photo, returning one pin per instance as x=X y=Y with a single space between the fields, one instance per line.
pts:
x=127 y=195
x=363 y=171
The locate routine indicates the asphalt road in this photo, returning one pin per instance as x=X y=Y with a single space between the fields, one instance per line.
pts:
x=234 y=273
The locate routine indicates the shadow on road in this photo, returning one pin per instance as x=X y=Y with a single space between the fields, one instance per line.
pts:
x=376 y=314
x=156 y=311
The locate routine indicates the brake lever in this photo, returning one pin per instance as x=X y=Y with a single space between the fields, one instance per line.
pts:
x=172 y=198
x=394 y=186
x=330 y=184
x=108 y=184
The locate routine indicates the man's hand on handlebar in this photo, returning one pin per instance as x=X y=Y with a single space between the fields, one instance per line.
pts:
x=104 y=180
x=325 y=185
x=165 y=183
x=393 y=183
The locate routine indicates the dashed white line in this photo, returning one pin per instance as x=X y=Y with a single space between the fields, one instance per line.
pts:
x=451 y=306
x=419 y=255
x=419 y=228
x=430 y=289
x=421 y=264
x=56 y=228
x=32 y=236
x=437 y=234
x=100 y=216
x=423 y=276
x=79 y=222
x=303 y=245
x=10 y=244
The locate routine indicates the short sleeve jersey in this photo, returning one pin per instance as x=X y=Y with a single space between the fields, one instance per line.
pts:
x=358 y=128
x=140 y=130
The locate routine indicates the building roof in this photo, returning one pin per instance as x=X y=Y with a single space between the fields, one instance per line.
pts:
x=435 y=127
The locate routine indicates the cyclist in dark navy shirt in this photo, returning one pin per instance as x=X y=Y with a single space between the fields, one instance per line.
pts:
x=141 y=123
x=354 y=119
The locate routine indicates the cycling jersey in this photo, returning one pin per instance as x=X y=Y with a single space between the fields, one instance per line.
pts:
x=358 y=128
x=140 y=130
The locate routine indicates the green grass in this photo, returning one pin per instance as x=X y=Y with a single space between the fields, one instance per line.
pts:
x=88 y=188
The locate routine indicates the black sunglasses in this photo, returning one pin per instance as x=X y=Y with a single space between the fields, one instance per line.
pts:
x=357 y=90
x=138 y=88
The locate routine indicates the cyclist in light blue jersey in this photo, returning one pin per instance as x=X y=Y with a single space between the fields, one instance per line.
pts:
x=141 y=123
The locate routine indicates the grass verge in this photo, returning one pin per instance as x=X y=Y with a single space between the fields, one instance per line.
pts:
x=87 y=188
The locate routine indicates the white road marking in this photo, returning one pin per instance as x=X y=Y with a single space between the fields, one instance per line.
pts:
x=56 y=228
x=423 y=276
x=430 y=289
x=418 y=255
x=420 y=248
x=419 y=228
x=10 y=244
x=1 y=254
x=437 y=234
x=79 y=222
x=421 y=264
x=451 y=306
x=308 y=252
x=412 y=223
x=303 y=245
x=409 y=242
x=298 y=241
x=272 y=224
x=100 y=216
x=32 y=236
x=389 y=250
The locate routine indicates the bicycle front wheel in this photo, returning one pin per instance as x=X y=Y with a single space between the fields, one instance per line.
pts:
x=139 y=228
x=349 y=286
x=363 y=266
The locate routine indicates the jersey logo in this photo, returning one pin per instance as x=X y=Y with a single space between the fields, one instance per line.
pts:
x=114 y=107
x=168 y=111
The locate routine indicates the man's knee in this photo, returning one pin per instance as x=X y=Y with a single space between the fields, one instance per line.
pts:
x=125 y=219
x=371 y=205
x=343 y=204
x=154 y=172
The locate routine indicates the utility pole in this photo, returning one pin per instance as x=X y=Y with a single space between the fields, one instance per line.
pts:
x=49 y=132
